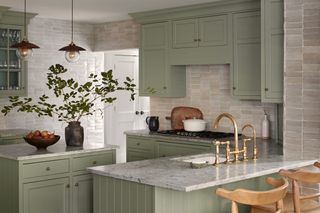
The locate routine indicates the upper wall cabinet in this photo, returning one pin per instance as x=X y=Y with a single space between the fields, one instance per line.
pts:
x=13 y=72
x=246 y=73
x=202 y=32
x=246 y=34
x=157 y=77
x=272 y=54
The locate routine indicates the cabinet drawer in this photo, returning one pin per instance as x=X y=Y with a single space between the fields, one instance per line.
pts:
x=141 y=144
x=45 y=168
x=81 y=163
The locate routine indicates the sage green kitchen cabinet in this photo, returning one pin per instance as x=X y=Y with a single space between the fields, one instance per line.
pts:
x=246 y=74
x=272 y=36
x=82 y=190
x=200 y=32
x=167 y=149
x=156 y=76
x=50 y=184
x=142 y=148
x=13 y=72
x=50 y=196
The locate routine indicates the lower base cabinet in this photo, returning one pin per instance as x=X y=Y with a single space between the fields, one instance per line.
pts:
x=50 y=185
x=142 y=148
x=50 y=196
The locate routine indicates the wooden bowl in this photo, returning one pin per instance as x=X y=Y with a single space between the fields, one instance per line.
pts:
x=42 y=143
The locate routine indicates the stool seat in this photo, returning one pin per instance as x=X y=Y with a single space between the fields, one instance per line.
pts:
x=253 y=198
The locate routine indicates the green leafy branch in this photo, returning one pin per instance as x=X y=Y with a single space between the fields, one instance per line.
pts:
x=78 y=100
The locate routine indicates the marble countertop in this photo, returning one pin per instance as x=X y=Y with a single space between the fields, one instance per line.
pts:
x=25 y=151
x=177 y=175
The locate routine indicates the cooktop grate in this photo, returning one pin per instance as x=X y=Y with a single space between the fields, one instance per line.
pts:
x=203 y=134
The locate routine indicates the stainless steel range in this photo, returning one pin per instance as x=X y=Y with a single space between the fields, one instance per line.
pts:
x=202 y=135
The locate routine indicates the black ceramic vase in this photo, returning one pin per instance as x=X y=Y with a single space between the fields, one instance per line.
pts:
x=74 y=134
x=153 y=123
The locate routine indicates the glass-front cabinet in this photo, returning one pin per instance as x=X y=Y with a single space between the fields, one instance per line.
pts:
x=12 y=70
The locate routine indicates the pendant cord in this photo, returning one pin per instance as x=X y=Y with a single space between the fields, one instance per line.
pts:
x=25 y=18
x=71 y=20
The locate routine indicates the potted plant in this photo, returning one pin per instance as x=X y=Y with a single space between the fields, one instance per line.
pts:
x=74 y=100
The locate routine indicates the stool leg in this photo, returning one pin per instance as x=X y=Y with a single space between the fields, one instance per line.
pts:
x=234 y=207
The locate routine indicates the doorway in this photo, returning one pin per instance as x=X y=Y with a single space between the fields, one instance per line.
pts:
x=124 y=115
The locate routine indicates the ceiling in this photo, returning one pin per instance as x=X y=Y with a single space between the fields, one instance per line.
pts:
x=94 y=11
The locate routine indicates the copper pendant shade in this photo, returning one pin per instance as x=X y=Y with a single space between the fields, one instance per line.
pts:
x=72 y=50
x=24 y=48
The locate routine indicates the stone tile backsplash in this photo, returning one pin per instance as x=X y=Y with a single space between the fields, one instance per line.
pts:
x=208 y=88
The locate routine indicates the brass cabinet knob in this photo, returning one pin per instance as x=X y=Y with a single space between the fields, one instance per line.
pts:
x=76 y=185
x=266 y=89
x=163 y=155
x=94 y=162
x=195 y=40
x=68 y=185
x=138 y=144
x=199 y=39
x=48 y=168
x=234 y=88
x=164 y=87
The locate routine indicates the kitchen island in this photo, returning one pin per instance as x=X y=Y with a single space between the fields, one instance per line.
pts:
x=50 y=180
x=170 y=185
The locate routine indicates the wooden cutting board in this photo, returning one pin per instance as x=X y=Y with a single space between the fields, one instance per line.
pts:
x=181 y=113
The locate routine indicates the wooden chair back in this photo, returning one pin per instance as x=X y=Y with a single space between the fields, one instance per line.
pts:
x=253 y=198
x=296 y=177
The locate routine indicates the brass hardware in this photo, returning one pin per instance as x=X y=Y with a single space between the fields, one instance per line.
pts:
x=199 y=39
x=236 y=152
x=76 y=185
x=164 y=87
x=94 y=162
x=234 y=88
x=254 y=136
x=68 y=185
x=48 y=169
x=217 y=144
x=266 y=89
x=163 y=156
x=138 y=144
x=245 y=148
x=195 y=40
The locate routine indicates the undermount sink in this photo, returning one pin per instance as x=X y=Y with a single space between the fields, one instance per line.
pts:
x=199 y=161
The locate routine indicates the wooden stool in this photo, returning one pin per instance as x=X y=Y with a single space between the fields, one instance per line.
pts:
x=253 y=198
x=295 y=202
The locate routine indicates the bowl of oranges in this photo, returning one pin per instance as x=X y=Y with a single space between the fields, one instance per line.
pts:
x=41 y=139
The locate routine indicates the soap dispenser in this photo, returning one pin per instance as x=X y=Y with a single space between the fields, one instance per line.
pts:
x=265 y=126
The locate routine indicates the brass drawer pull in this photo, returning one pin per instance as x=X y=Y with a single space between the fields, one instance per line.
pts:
x=76 y=185
x=138 y=144
x=94 y=162
x=48 y=168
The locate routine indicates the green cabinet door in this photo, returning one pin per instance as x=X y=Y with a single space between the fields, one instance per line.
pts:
x=82 y=194
x=166 y=149
x=185 y=33
x=213 y=31
x=153 y=61
x=272 y=13
x=139 y=148
x=246 y=74
x=156 y=76
x=49 y=196
x=200 y=32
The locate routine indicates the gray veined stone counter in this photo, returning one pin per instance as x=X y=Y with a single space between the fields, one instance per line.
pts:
x=27 y=152
x=176 y=175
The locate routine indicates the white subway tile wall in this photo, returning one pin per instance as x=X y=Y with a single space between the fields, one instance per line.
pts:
x=208 y=88
x=302 y=78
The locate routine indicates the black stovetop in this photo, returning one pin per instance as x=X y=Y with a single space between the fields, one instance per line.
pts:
x=202 y=135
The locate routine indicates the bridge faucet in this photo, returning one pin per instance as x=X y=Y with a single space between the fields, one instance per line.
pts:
x=235 y=129
x=255 y=150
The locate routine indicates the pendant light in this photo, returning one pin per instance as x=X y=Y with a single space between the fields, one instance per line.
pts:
x=72 y=51
x=24 y=48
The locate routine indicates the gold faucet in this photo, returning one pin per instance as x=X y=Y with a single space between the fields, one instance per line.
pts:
x=217 y=157
x=254 y=136
x=236 y=152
